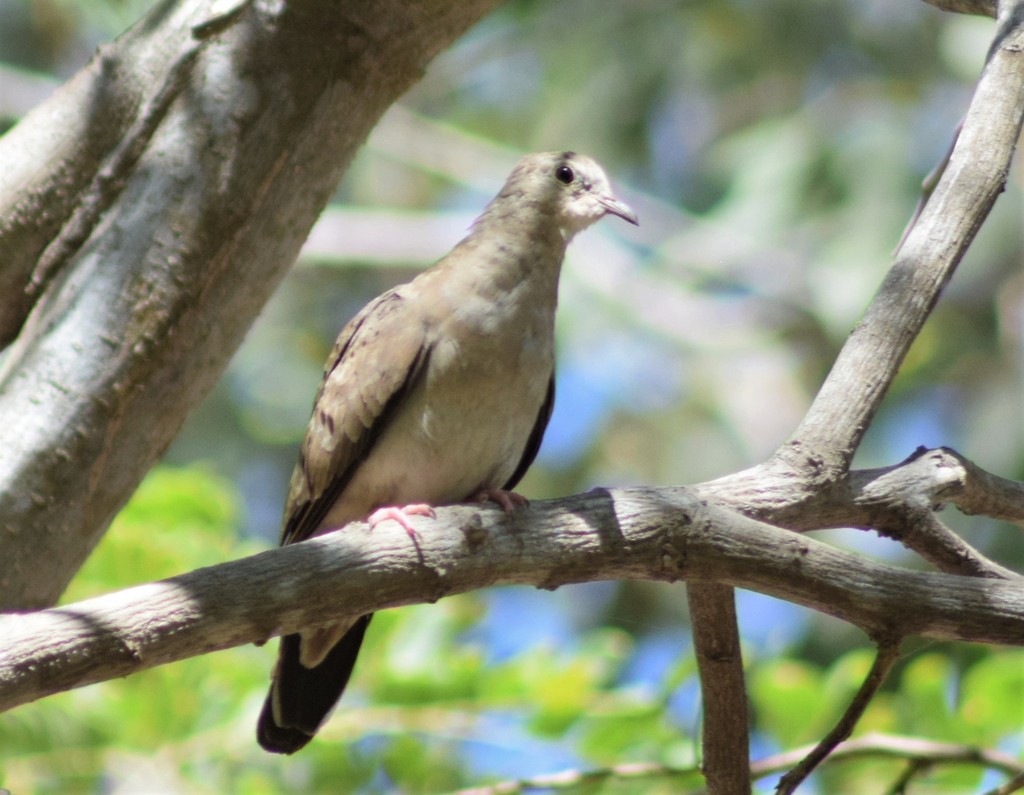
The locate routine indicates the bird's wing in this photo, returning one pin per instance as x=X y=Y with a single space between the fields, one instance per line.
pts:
x=378 y=358
x=536 y=436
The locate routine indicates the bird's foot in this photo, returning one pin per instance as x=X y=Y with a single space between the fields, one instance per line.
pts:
x=508 y=500
x=401 y=515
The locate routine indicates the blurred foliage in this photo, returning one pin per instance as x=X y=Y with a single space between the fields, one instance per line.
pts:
x=774 y=152
x=433 y=709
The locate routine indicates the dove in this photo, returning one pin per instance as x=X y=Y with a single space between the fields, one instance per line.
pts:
x=437 y=392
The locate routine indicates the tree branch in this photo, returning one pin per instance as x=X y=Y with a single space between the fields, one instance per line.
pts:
x=112 y=175
x=888 y=654
x=898 y=501
x=985 y=8
x=825 y=441
x=236 y=130
x=871 y=745
x=812 y=468
x=896 y=747
x=1015 y=784
x=100 y=381
x=725 y=739
x=655 y=534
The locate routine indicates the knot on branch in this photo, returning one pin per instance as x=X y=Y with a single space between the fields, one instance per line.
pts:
x=901 y=503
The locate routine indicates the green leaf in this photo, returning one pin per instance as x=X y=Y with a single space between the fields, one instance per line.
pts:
x=177 y=520
x=788 y=704
x=925 y=693
x=991 y=703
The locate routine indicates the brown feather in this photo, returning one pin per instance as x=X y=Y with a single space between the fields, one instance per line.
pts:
x=352 y=410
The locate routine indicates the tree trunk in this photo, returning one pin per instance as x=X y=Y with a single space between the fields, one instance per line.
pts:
x=147 y=211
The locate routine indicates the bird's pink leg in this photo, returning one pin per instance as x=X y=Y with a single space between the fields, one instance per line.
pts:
x=508 y=500
x=401 y=515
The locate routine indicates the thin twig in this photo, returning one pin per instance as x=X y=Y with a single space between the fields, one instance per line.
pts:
x=895 y=746
x=981 y=7
x=899 y=786
x=1015 y=784
x=888 y=653
x=913 y=749
x=928 y=186
x=573 y=779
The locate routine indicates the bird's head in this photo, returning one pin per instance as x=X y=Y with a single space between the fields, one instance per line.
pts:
x=570 y=187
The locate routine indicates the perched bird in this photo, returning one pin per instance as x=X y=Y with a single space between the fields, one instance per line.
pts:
x=437 y=392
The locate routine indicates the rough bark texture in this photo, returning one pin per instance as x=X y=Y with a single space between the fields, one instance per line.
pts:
x=808 y=480
x=147 y=211
x=716 y=643
x=655 y=534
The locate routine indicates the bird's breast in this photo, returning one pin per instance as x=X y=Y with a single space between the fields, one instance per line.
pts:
x=466 y=423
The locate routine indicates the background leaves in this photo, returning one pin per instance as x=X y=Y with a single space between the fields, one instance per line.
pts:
x=774 y=152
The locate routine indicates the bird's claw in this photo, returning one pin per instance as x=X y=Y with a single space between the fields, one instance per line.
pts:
x=401 y=515
x=508 y=500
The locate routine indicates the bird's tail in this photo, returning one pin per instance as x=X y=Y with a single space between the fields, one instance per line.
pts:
x=301 y=698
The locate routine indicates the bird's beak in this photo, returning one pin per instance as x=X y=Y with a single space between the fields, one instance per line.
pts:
x=613 y=206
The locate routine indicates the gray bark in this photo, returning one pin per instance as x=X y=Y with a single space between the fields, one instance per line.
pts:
x=136 y=208
x=147 y=211
x=807 y=480
x=655 y=534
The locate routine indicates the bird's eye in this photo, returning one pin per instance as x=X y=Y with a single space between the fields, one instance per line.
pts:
x=564 y=175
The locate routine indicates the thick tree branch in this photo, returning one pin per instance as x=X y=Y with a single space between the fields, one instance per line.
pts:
x=812 y=468
x=658 y=534
x=825 y=441
x=898 y=500
x=901 y=502
x=233 y=139
x=128 y=334
x=109 y=180
x=725 y=737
